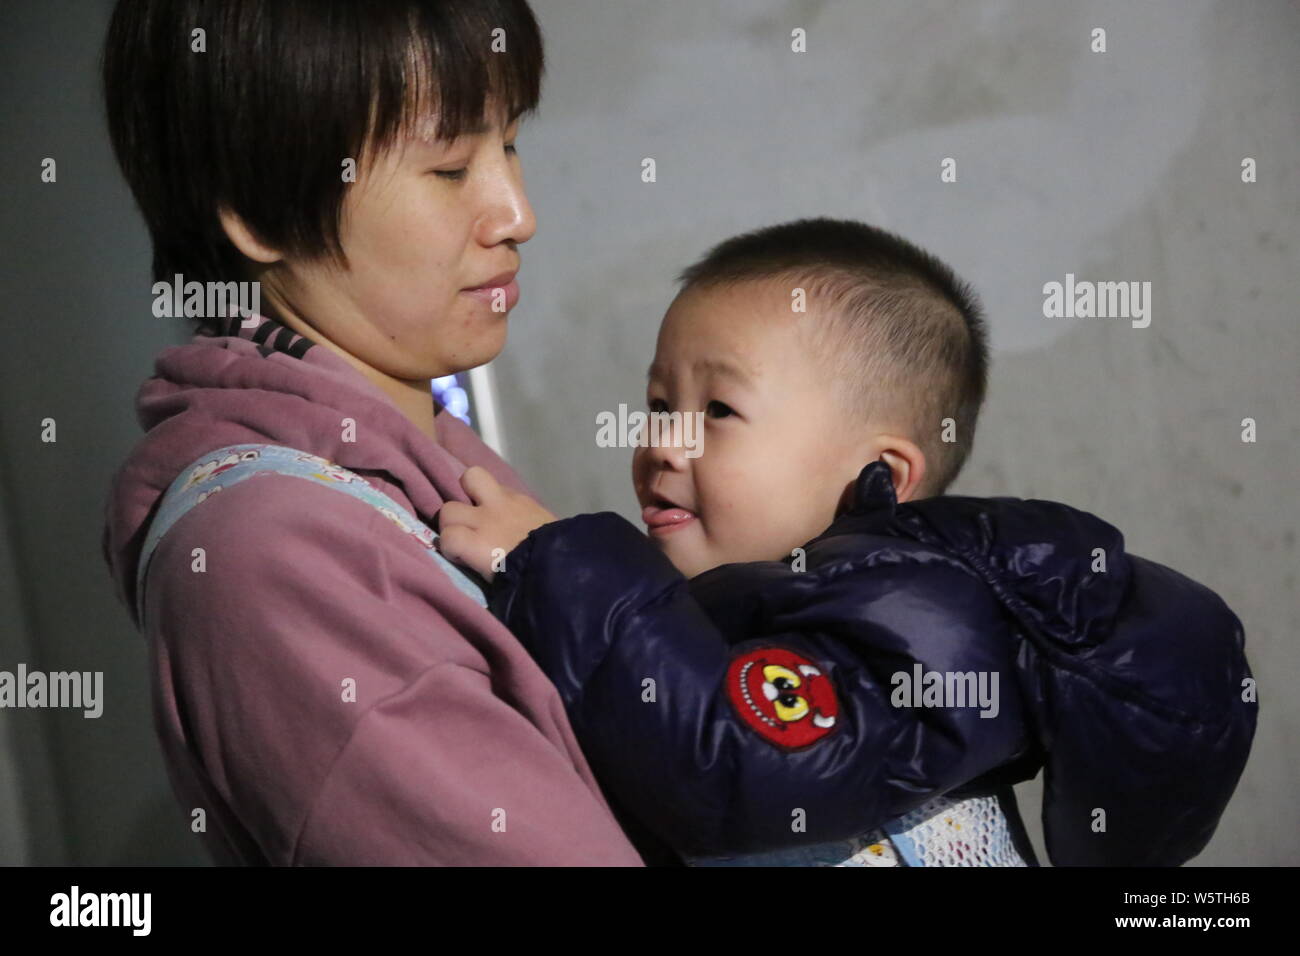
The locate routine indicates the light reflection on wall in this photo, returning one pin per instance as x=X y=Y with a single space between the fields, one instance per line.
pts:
x=451 y=394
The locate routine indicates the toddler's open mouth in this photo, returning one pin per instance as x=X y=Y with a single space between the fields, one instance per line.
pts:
x=664 y=517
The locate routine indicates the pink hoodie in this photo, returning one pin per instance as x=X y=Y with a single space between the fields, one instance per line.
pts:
x=456 y=749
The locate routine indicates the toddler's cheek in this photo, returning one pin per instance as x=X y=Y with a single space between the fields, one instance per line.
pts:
x=639 y=468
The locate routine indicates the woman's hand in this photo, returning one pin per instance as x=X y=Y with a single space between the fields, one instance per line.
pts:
x=480 y=535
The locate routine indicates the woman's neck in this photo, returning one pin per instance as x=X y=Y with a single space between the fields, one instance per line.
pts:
x=413 y=398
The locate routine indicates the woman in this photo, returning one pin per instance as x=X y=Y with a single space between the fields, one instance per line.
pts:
x=325 y=694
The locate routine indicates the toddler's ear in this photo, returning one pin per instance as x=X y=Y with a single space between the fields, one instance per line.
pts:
x=907 y=465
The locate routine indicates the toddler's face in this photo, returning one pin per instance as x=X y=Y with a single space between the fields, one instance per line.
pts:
x=777 y=453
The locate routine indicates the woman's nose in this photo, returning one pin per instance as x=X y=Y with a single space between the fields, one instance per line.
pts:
x=508 y=215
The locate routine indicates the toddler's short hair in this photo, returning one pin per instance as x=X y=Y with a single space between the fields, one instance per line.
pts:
x=901 y=331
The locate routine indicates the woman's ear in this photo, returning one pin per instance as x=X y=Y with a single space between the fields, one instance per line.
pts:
x=906 y=462
x=244 y=240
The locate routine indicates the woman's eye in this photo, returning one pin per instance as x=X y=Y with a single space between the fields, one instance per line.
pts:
x=718 y=409
x=657 y=405
x=456 y=175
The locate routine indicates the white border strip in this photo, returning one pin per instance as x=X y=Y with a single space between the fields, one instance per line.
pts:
x=483 y=395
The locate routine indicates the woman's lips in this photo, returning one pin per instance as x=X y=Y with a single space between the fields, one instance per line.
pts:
x=665 y=520
x=486 y=294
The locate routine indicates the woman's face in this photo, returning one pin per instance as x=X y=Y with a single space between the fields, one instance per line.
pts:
x=426 y=222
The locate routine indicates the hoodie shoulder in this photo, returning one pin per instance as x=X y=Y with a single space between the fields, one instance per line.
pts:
x=246 y=539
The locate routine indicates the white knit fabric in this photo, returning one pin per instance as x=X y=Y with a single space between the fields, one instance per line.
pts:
x=941 y=832
x=971 y=832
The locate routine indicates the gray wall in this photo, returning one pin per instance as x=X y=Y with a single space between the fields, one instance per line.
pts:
x=78 y=340
x=1120 y=166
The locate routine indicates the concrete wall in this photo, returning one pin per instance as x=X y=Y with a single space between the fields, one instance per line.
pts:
x=1116 y=166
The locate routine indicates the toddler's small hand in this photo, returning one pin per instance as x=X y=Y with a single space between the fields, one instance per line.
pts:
x=498 y=518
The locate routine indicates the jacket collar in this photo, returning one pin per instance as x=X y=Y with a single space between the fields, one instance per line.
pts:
x=874 y=489
x=874 y=504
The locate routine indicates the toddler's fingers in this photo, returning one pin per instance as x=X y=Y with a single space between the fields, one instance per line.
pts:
x=479 y=484
x=458 y=544
x=455 y=513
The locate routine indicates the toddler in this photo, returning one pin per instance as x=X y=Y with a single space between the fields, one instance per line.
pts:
x=814 y=652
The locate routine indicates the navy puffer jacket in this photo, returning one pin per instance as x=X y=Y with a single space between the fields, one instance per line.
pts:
x=717 y=711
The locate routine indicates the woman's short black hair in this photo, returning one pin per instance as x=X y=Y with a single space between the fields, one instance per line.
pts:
x=257 y=112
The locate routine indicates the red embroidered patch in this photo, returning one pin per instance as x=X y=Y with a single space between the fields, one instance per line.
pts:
x=782 y=696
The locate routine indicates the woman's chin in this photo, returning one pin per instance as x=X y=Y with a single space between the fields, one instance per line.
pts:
x=483 y=349
x=482 y=356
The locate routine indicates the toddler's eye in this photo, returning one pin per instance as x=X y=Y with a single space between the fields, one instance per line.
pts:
x=657 y=405
x=718 y=409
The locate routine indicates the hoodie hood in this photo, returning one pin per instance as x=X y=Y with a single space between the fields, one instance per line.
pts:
x=266 y=384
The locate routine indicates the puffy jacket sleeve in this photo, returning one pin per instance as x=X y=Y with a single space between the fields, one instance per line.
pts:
x=1135 y=675
x=341 y=710
x=1149 y=729
x=651 y=684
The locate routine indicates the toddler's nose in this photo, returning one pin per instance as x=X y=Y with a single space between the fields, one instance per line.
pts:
x=660 y=445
